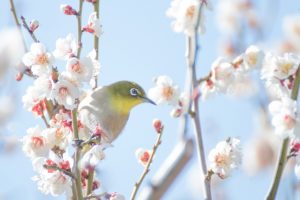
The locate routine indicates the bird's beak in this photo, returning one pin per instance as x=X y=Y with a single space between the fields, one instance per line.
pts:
x=146 y=99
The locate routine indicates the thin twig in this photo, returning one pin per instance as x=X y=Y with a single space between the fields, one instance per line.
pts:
x=282 y=159
x=205 y=78
x=14 y=13
x=95 y=196
x=55 y=167
x=25 y=25
x=76 y=156
x=192 y=50
x=45 y=120
x=79 y=26
x=96 y=39
x=147 y=167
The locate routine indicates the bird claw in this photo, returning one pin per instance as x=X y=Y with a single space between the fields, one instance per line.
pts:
x=77 y=142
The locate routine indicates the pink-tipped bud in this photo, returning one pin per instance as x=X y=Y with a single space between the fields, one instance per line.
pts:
x=157 y=124
x=68 y=10
x=19 y=76
x=143 y=156
x=295 y=146
x=34 y=24
x=176 y=112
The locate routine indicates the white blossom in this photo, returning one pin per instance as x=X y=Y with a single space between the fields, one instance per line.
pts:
x=65 y=47
x=280 y=67
x=34 y=143
x=207 y=89
x=222 y=74
x=185 y=13
x=93 y=25
x=65 y=93
x=253 y=57
x=81 y=70
x=225 y=157
x=182 y=107
x=164 y=91
x=284 y=116
x=39 y=59
x=51 y=181
x=93 y=156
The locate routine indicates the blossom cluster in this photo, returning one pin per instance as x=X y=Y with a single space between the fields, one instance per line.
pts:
x=231 y=76
x=225 y=157
x=166 y=92
x=60 y=78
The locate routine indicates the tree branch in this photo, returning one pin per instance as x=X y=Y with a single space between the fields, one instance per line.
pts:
x=79 y=31
x=282 y=159
x=147 y=167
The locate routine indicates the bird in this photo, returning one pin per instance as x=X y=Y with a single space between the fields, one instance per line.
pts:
x=109 y=107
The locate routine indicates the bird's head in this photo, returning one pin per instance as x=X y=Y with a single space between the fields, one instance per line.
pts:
x=125 y=95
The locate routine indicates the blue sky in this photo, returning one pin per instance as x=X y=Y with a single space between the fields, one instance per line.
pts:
x=139 y=44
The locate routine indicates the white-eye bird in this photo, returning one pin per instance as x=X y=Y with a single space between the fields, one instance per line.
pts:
x=109 y=107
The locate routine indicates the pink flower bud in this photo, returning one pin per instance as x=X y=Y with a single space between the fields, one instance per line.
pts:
x=19 y=76
x=157 y=124
x=68 y=10
x=34 y=24
x=143 y=156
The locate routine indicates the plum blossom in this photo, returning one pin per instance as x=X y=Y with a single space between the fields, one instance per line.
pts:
x=49 y=179
x=34 y=143
x=182 y=107
x=164 y=91
x=185 y=13
x=225 y=157
x=284 y=116
x=207 y=89
x=39 y=59
x=280 y=67
x=57 y=137
x=143 y=156
x=222 y=74
x=65 y=93
x=81 y=70
x=93 y=25
x=253 y=57
x=93 y=156
x=65 y=47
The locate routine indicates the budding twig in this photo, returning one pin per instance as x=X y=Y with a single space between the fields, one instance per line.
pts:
x=25 y=25
x=14 y=13
x=55 y=167
x=147 y=167
x=282 y=159
x=192 y=50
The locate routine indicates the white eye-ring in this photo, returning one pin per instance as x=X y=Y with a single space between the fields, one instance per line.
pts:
x=133 y=92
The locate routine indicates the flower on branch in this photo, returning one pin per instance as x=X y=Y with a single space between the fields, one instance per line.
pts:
x=34 y=143
x=65 y=47
x=143 y=156
x=92 y=157
x=185 y=13
x=38 y=59
x=52 y=177
x=93 y=25
x=225 y=157
x=65 y=93
x=80 y=70
x=164 y=91
x=284 y=116
x=33 y=25
x=68 y=10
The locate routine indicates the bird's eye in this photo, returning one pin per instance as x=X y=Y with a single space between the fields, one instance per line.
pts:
x=133 y=92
